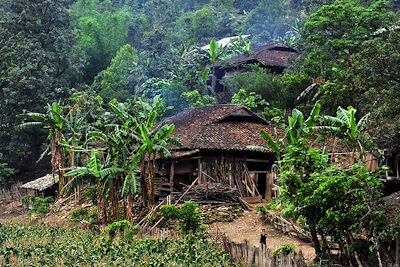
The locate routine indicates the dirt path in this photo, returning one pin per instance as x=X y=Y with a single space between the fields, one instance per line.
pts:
x=249 y=227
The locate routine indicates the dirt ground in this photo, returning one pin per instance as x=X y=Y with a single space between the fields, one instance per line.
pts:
x=249 y=227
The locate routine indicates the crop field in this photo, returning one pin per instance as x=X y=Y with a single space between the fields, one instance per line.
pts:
x=39 y=245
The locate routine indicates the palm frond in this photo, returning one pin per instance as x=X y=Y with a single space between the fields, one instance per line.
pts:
x=96 y=136
x=77 y=171
x=95 y=161
x=362 y=123
x=314 y=115
x=28 y=124
x=327 y=130
x=109 y=171
x=129 y=185
x=332 y=121
x=40 y=117
x=44 y=153
x=274 y=145
x=72 y=184
x=56 y=113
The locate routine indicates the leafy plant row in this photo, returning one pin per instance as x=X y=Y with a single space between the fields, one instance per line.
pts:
x=38 y=245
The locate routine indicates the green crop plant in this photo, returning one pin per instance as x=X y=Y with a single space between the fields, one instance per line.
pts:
x=40 y=245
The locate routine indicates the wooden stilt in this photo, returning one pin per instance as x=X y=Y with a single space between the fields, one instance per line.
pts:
x=171 y=177
x=398 y=252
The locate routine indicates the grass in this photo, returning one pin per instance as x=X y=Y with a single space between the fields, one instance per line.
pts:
x=40 y=245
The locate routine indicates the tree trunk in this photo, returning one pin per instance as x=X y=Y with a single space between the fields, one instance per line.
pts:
x=351 y=238
x=114 y=202
x=143 y=184
x=129 y=208
x=102 y=209
x=57 y=159
x=398 y=252
x=151 y=186
x=213 y=81
x=314 y=238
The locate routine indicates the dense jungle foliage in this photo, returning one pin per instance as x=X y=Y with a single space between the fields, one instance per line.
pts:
x=348 y=54
x=36 y=245
x=84 y=83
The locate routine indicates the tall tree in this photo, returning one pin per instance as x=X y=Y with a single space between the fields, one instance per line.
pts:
x=121 y=77
x=332 y=35
x=101 y=29
x=38 y=63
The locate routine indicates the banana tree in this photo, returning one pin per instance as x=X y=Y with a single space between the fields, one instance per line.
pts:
x=297 y=129
x=214 y=54
x=54 y=122
x=103 y=177
x=346 y=127
x=153 y=141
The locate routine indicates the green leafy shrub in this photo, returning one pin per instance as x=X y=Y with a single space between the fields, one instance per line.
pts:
x=26 y=200
x=5 y=172
x=79 y=213
x=249 y=99
x=261 y=209
x=38 y=205
x=124 y=227
x=285 y=250
x=188 y=215
x=83 y=214
x=197 y=100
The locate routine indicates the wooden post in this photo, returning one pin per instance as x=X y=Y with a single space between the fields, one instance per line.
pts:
x=252 y=177
x=397 y=252
x=268 y=186
x=171 y=177
x=199 y=171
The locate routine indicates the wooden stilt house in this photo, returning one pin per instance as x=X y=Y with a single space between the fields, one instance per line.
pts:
x=220 y=144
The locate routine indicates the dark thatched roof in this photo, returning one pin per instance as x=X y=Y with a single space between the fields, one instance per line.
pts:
x=267 y=55
x=221 y=127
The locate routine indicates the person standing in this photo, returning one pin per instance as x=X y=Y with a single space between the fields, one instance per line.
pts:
x=263 y=239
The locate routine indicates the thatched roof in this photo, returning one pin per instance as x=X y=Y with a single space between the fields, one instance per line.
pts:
x=268 y=55
x=220 y=127
x=41 y=183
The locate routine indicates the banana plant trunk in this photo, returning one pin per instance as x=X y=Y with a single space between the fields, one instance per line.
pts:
x=150 y=180
x=114 y=202
x=129 y=208
x=57 y=159
x=143 y=183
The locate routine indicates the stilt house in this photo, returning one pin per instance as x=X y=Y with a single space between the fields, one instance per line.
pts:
x=220 y=144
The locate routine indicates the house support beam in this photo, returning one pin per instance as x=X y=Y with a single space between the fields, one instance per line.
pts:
x=171 y=177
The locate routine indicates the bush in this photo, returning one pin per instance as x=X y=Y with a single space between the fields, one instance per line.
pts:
x=83 y=214
x=124 y=227
x=197 y=100
x=5 y=173
x=256 y=80
x=79 y=213
x=188 y=215
x=285 y=250
x=249 y=99
x=39 y=205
